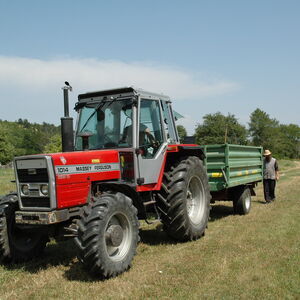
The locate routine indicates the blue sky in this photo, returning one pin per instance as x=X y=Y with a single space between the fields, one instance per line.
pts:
x=208 y=56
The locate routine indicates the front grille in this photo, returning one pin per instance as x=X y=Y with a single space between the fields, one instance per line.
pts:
x=35 y=202
x=41 y=175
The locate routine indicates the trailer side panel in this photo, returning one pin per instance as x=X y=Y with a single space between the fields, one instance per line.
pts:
x=232 y=165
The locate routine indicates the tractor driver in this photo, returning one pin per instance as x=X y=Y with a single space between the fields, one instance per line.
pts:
x=144 y=132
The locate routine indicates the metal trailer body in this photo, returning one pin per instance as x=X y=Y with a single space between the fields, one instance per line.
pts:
x=231 y=169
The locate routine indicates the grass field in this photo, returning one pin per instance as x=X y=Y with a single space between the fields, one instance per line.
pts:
x=253 y=256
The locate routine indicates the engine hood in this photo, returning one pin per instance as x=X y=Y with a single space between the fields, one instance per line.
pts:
x=86 y=165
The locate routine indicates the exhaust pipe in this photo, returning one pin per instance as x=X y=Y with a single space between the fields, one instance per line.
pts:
x=67 y=133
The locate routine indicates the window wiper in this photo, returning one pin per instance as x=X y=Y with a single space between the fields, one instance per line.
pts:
x=99 y=106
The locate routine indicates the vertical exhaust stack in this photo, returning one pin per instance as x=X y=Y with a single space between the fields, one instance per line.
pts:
x=67 y=134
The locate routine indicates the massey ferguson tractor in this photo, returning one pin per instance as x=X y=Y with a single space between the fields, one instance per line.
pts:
x=124 y=163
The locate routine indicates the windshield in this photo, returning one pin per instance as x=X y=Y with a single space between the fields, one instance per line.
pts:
x=108 y=123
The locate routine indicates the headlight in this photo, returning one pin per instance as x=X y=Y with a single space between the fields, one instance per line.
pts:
x=25 y=189
x=44 y=189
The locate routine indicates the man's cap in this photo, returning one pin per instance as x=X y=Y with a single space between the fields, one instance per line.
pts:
x=267 y=152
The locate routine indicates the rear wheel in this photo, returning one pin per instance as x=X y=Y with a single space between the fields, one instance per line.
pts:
x=184 y=200
x=242 y=201
x=108 y=235
x=16 y=243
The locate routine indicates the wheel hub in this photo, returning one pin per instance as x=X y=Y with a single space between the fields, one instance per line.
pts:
x=189 y=198
x=114 y=235
x=195 y=200
x=247 y=203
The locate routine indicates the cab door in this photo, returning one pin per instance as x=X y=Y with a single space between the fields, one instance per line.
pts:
x=169 y=123
x=152 y=144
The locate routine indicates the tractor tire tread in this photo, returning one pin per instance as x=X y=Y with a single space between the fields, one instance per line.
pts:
x=9 y=252
x=91 y=223
x=170 y=204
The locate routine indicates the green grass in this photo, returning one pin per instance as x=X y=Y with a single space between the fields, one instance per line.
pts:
x=253 y=256
x=287 y=164
x=6 y=175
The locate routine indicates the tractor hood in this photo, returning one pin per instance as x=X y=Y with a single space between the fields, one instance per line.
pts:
x=76 y=171
x=82 y=166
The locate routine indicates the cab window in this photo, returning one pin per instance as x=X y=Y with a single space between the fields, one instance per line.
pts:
x=150 y=128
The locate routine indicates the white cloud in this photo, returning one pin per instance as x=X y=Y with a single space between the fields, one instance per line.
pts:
x=40 y=81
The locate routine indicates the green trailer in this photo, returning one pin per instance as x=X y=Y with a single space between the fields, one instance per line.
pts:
x=233 y=172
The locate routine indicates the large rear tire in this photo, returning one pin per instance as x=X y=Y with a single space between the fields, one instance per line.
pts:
x=108 y=235
x=184 y=200
x=17 y=244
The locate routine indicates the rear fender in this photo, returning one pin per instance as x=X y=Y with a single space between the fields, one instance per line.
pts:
x=185 y=150
x=174 y=153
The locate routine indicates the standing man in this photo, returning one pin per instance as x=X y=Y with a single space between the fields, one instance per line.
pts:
x=271 y=174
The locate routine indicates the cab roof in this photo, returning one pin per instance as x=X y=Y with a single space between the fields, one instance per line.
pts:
x=119 y=92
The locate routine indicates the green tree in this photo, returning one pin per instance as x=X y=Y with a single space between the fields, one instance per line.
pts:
x=6 y=148
x=32 y=141
x=181 y=132
x=54 y=145
x=288 y=141
x=282 y=140
x=263 y=130
x=28 y=138
x=219 y=129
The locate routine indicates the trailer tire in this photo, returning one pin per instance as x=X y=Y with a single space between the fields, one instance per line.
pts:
x=184 y=200
x=108 y=233
x=242 y=201
x=16 y=244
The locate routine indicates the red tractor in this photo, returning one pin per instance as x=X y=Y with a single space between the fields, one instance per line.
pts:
x=126 y=163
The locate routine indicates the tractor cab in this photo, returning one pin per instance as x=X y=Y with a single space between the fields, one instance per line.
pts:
x=130 y=120
x=124 y=118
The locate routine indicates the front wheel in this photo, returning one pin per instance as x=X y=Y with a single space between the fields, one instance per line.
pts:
x=184 y=200
x=16 y=243
x=108 y=235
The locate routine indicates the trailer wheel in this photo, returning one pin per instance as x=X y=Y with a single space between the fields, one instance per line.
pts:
x=242 y=201
x=184 y=200
x=17 y=244
x=108 y=234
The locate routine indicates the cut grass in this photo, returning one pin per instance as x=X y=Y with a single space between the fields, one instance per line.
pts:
x=288 y=164
x=6 y=176
x=252 y=256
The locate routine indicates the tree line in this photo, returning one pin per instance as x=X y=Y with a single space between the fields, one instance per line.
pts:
x=23 y=138
x=283 y=140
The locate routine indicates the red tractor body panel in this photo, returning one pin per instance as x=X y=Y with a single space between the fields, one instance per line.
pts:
x=177 y=147
x=74 y=172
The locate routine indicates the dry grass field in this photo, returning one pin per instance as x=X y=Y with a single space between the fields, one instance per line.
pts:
x=254 y=256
